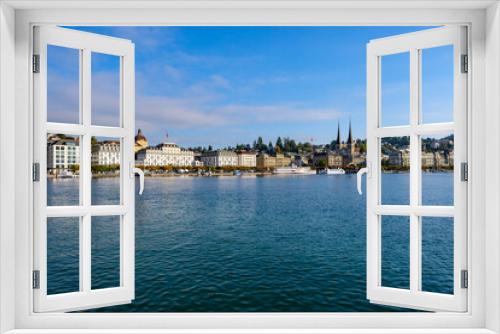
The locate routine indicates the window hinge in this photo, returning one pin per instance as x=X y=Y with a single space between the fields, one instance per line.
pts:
x=465 y=279
x=36 y=172
x=464 y=171
x=36 y=279
x=465 y=64
x=36 y=63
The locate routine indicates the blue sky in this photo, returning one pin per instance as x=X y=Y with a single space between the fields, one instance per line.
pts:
x=228 y=85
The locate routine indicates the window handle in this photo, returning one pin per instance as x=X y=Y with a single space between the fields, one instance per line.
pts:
x=133 y=171
x=368 y=171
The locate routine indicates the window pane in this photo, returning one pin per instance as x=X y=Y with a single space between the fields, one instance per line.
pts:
x=106 y=159
x=437 y=170
x=63 y=169
x=437 y=84
x=395 y=179
x=63 y=255
x=63 y=85
x=105 y=252
x=437 y=254
x=105 y=89
x=395 y=232
x=395 y=90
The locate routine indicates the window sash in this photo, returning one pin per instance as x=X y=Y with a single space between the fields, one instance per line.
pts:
x=413 y=43
x=86 y=297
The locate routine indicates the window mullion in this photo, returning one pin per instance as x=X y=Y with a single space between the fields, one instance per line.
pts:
x=85 y=172
x=415 y=249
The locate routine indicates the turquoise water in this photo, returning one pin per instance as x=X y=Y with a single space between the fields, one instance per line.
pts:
x=238 y=244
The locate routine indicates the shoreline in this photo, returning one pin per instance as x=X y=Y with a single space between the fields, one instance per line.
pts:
x=257 y=174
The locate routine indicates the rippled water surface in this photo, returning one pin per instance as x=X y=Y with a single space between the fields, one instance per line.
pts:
x=242 y=244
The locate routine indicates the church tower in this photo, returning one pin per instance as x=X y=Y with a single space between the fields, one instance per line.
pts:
x=338 y=145
x=350 y=145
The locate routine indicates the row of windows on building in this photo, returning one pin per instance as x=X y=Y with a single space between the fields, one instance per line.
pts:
x=430 y=159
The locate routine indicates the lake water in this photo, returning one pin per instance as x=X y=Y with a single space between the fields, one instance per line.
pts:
x=243 y=244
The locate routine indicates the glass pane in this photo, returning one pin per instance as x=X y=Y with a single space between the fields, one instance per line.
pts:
x=63 y=85
x=395 y=93
x=63 y=169
x=63 y=255
x=105 y=90
x=105 y=252
x=437 y=170
x=395 y=180
x=395 y=231
x=106 y=158
x=437 y=84
x=437 y=254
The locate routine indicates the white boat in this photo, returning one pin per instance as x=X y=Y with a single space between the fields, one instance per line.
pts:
x=294 y=170
x=332 y=171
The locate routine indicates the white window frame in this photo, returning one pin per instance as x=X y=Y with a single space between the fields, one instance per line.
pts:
x=414 y=43
x=484 y=212
x=85 y=43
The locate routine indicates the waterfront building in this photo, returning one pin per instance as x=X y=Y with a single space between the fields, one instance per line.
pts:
x=400 y=158
x=300 y=160
x=106 y=153
x=140 y=142
x=427 y=159
x=61 y=155
x=247 y=159
x=265 y=160
x=166 y=154
x=333 y=159
x=282 y=161
x=437 y=159
x=219 y=158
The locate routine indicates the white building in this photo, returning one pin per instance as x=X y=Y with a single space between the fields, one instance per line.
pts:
x=106 y=153
x=219 y=158
x=400 y=158
x=61 y=155
x=247 y=159
x=166 y=154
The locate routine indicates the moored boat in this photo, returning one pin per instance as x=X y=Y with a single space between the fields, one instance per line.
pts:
x=294 y=170
x=332 y=171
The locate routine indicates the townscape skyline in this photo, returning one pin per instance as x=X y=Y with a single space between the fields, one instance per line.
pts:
x=234 y=84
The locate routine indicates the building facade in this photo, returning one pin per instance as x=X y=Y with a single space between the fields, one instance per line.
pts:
x=62 y=154
x=106 y=153
x=264 y=160
x=166 y=154
x=140 y=142
x=219 y=158
x=437 y=159
x=247 y=159
x=400 y=158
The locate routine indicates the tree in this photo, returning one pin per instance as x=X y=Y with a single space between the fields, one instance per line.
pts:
x=293 y=146
x=93 y=142
x=300 y=147
x=270 y=147
x=260 y=144
x=62 y=136
x=362 y=147
x=210 y=148
x=286 y=146
x=321 y=163
x=279 y=143
x=254 y=145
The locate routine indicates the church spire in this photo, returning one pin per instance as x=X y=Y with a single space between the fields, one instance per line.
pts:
x=350 y=140
x=339 y=139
